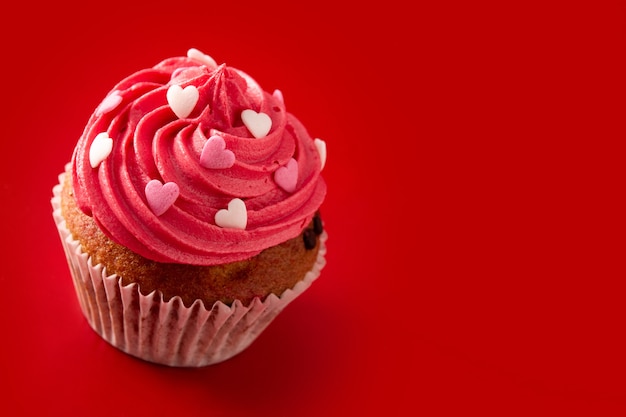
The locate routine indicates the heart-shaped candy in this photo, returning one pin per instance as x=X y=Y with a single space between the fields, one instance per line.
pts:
x=161 y=196
x=109 y=103
x=259 y=124
x=215 y=155
x=193 y=53
x=321 y=149
x=234 y=217
x=287 y=176
x=182 y=101
x=278 y=95
x=100 y=148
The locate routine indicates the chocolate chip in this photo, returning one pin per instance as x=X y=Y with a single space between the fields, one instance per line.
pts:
x=310 y=239
x=318 y=227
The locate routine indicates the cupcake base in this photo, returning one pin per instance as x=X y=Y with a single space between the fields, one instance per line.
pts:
x=168 y=332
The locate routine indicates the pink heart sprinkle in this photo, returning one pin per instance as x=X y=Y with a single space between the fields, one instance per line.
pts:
x=215 y=155
x=161 y=196
x=278 y=95
x=109 y=103
x=287 y=176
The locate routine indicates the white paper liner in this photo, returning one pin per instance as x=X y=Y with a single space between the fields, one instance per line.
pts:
x=167 y=332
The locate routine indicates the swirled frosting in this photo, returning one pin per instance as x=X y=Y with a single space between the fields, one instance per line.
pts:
x=140 y=134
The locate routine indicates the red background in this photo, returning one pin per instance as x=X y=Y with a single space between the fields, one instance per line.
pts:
x=475 y=208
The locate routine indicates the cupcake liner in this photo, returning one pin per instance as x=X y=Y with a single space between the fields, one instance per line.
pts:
x=168 y=332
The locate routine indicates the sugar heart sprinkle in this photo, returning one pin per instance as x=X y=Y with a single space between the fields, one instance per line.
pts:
x=161 y=196
x=234 y=217
x=286 y=177
x=278 y=95
x=182 y=100
x=321 y=149
x=215 y=155
x=100 y=149
x=259 y=124
x=199 y=56
x=109 y=103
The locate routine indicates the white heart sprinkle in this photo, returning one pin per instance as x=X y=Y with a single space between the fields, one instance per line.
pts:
x=193 y=53
x=259 y=124
x=100 y=148
x=321 y=149
x=182 y=101
x=234 y=217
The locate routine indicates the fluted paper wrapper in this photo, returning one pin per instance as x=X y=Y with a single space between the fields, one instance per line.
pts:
x=168 y=332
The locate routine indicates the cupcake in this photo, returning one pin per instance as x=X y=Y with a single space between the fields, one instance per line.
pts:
x=190 y=212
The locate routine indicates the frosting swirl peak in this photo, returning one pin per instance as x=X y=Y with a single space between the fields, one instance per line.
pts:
x=190 y=163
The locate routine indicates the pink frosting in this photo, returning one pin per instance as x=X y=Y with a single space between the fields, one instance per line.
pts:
x=151 y=143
